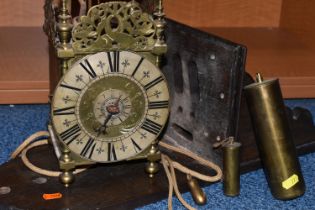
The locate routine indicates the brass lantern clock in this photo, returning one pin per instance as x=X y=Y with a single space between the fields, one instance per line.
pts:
x=112 y=100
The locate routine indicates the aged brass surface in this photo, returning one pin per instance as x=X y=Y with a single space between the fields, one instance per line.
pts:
x=153 y=156
x=107 y=27
x=64 y=28
x=66 y=178
x=114 y=25
x=274 y=139
x=67 y=166
x=197 y=193
x=231 y=168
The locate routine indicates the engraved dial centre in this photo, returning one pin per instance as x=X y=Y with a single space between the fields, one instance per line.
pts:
x=112 y=102
x=111 y=107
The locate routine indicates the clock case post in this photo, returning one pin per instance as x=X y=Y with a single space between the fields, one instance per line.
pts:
x=68 y=46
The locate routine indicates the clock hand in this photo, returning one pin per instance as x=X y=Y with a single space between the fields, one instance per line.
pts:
x=102 y=128
x=112 y=110
x=117 y=102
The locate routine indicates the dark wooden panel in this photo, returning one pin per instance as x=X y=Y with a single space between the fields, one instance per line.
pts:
x=102 y=187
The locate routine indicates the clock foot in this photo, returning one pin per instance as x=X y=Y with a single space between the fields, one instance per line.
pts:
x=66 y=178
x=152 y=167
x=67 y=166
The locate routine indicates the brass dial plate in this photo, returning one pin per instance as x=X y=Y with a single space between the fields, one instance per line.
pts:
x=110 y=106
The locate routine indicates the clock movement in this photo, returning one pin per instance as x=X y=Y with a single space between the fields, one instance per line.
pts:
x=112 y=101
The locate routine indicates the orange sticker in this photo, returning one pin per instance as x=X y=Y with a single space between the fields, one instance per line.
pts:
x=52 y=196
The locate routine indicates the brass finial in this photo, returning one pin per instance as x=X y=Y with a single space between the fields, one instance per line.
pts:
x=160 y=6
x=63 y=6
x=64 y=26
x=259 y=77
x=160 y=45
x=159 y=19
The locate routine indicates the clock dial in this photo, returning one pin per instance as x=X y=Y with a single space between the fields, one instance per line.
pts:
x=110 y=106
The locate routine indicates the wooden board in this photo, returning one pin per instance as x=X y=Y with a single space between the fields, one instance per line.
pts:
x=284 y=47
x=102 y=187
x=205 y=13
x=24 y=65
x=22 y=13
x=274 y=52
x=225 y=13
x=298 y=17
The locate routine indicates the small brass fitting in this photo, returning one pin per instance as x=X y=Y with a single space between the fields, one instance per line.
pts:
x=197 y=193
x=66 y=178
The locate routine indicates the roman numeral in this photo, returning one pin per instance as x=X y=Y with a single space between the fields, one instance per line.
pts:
x=158 y=105
x=64 y=111
x=70 y=87
x=137 y=67
x=151 y=126
x=153 y=83
x=73 y=131
x=111 y=153
x=125 y=99
x=113 y=63
x=69 y=141
x=136 y=147
x=88 y=148
x=88 y=68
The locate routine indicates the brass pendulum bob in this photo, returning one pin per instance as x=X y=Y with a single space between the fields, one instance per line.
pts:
x=197 y=193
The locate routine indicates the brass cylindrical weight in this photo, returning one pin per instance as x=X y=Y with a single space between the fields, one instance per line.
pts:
x=274 y=139
x=231 y=168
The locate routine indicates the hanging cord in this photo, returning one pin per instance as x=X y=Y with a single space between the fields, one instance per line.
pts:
x=31 y=142
x=168 y=164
